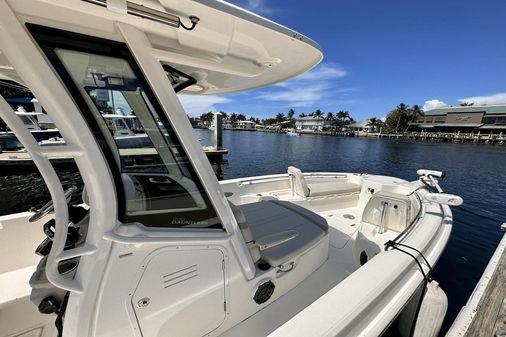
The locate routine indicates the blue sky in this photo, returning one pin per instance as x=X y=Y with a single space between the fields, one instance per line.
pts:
x=380 y=53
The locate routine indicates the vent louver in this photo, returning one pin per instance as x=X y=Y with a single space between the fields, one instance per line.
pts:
x=179 y=276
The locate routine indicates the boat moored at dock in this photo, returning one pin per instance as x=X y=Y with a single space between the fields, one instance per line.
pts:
x=156 y=245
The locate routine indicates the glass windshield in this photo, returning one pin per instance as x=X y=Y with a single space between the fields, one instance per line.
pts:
x=160 y=184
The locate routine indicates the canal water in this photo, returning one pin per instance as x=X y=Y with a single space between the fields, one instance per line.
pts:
x=475 y=172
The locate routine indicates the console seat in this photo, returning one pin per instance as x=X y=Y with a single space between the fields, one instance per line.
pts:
x=279 y=231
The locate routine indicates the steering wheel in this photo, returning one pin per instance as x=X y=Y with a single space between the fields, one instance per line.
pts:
x=49 y=207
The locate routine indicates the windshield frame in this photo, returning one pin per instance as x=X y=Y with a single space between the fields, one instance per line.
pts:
x=50 y=40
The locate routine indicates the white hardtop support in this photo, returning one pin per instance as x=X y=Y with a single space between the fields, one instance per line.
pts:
x=55 y=189
x=32 y=69
x=153 y=70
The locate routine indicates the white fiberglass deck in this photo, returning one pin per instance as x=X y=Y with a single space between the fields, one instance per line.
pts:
x=343 y=227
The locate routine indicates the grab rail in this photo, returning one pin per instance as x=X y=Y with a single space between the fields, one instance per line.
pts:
x=246 y=181
x=57 y=195
x=261 y=181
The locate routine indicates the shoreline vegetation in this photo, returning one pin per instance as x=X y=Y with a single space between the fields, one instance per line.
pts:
x=395 y=125
x=397 y=120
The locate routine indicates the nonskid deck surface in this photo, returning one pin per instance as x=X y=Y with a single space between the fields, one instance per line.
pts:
x=340 y=264
x=343 y=225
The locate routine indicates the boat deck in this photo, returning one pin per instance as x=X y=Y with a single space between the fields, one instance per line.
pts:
x=485 y=313
x=340 y=264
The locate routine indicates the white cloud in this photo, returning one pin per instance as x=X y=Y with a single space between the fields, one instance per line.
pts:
x=322 y=73
x=309 y=88
x=255 y=4
x=433 y=104
x=491 y=99
x=197 y=105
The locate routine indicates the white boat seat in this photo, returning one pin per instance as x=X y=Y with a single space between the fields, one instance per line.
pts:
x=279 y=231
x=302 y=188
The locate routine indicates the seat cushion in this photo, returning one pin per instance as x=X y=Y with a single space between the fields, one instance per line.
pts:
x=271 y=217
x=298 y=181
x=321 y=189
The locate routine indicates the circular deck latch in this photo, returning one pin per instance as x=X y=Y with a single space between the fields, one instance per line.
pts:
x=143 y=302
x=264 y=292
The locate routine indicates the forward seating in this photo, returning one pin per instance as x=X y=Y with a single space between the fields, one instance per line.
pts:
x=277 y=232
x=301 y=188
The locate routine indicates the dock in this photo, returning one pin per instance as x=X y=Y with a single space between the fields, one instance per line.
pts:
x=12 y=160
x=447 y=137
x=484 y=314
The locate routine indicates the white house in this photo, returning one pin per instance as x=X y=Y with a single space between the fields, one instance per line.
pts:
x=245 y=125
x=361 y=126
x=310 y=123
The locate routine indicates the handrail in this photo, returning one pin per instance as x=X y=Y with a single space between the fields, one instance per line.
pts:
x=57 y=195
x=247 y=181
x=261 y=181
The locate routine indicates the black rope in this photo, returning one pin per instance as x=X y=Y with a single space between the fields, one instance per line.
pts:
x=392 y=244
x=416 y=250
x=59 y=317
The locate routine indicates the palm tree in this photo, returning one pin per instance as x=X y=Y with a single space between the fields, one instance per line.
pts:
x=317 y=113
x=233 y=119
x=343 y=116
x=225 y=115
x=374 y=123
x=280 y=117
x=241 y=117
x=290 y=114
x=466 y=104
x=207 y=118
x=415 y=113
x=330 y=116
x=340 y=115
x=402 y=107
x=400 y=117
x=302 y=115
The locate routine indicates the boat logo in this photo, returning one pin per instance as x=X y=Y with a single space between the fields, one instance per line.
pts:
x=187 y=222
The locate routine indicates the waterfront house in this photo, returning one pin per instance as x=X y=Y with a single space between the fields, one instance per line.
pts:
x=362 y=126
x=227 y=124
x=474 y=118
x=245 y=125
x=310 y=123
